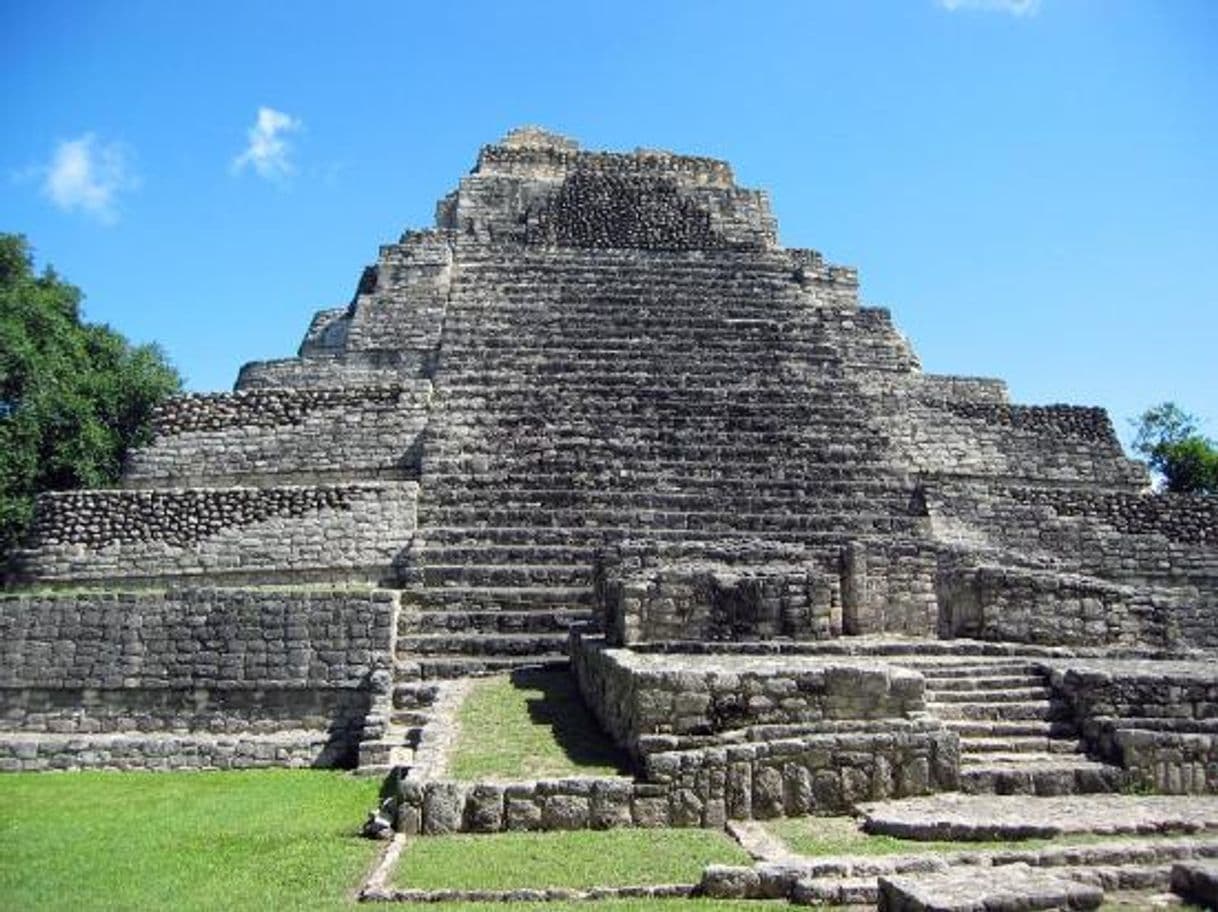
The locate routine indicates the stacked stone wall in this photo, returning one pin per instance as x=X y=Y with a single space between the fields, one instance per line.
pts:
x=405 y=310
x=655 y=591
x=962 y=438
x=640 y=698
x=1157 y=720
x=889 y=587
x=365 y=368
x=1139 y=539
x=323 y=532
x=296 y=435
x=1017 y=605
x=232 y=677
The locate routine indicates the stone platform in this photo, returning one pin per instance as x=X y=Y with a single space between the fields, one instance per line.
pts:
x=1015 y=888
x=989 y=817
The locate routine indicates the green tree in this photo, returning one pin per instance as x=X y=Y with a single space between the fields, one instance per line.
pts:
x=74 y=396
x=1169 y=439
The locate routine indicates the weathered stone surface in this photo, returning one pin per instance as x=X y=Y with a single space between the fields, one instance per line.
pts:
x=1197 y=882
x=1011 y=888
x=986 y=817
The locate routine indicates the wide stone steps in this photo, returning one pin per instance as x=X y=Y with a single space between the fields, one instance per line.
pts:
x=725 y=520
x=1038 y=710
x=995 y=683
x=448 y=667
x=578 y=417
x=442 y=553
x=595 y=536
x=507 y=498
x=499 y=622
x=1010 y=728
x=994 y=695
x=497 y=598
x=442 y=476
x=1017 y=744
x=498 y=645
x=565 y=575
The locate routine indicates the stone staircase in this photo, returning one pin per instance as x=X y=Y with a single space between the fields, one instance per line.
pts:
x=587 y=396
x=1014 y=738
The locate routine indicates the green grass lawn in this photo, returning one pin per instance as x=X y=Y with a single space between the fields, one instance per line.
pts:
x=530 y=725
x=265 y=839
x=584 y=858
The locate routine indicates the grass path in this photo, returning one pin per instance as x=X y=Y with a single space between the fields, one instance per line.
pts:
x=257 y=840
x=530 y=725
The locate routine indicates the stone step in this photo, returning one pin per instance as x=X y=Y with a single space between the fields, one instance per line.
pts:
x=1017 y=758
x=502 y=622
x=597 y=536
x=977 y=684
x=498 y=598
x=1029 y=710
x=936 y=671
x=1020 y=745
x=407 y=720
x=1036 y=775
x=407 y=695
x=488 y=644
x=429 y=552
x=442 y=473
x=507 y=575
x=1021 y=728
x=433 y=669
x=723 y=520
x=504 y=498
x=980 y=695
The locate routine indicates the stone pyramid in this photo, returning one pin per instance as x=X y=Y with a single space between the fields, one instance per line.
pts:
x=598 y=391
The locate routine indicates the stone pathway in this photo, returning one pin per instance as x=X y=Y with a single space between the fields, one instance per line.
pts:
x=983 y=817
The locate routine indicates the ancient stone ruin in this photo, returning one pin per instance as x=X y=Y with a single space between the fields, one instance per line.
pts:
x=599 y=417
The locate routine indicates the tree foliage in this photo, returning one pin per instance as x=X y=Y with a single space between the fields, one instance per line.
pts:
x=74 y=396
x=1169 y=439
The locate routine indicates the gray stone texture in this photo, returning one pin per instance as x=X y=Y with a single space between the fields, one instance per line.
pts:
x=1011 y=888
x=103 y=677
x=1196 y=882
x=319 y=533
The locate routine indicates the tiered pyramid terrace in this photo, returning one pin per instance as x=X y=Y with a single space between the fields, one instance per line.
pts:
x=600 y=394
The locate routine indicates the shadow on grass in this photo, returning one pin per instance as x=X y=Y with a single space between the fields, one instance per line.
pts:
x=574 y=728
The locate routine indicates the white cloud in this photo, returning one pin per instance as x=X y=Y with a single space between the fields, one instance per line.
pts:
x=269 y=152
x=88 y=175
x=1013 y=7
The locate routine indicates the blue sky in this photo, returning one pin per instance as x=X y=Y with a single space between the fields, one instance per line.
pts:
x=1031 y=187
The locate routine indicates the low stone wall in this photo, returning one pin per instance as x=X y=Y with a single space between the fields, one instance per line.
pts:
x=822 y=773
x=812 y=774
x=1157 y=720
x=1015 y=605
x=640 y=695
x=308 y=435
x=702 y=601
x=204 y=668
x=323 y=532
